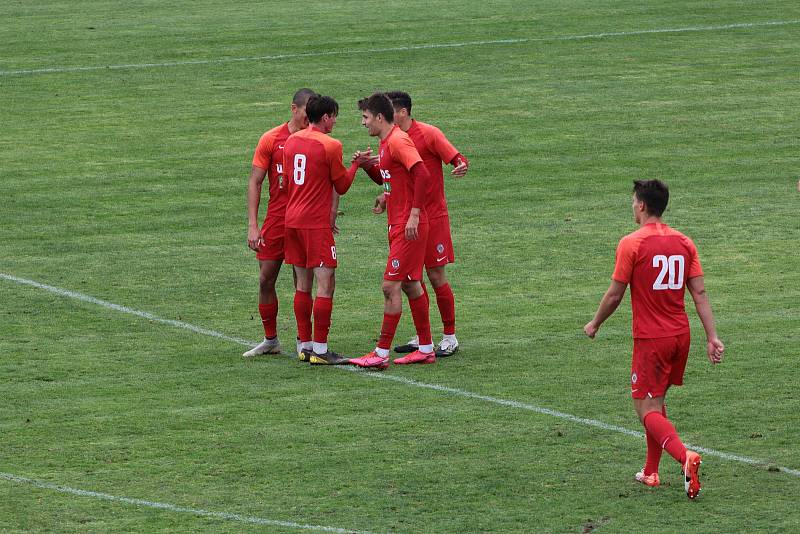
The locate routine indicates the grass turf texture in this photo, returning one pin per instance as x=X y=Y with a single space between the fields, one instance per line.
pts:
x=128 y=185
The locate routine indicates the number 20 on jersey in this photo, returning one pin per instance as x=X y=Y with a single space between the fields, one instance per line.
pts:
x=672 y=269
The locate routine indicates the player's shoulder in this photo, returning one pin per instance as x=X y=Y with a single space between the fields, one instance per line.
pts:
x=428 y=128
x=277 y=132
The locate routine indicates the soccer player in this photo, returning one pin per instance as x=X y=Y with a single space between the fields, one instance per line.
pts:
x=434 y=149
x=405 y=182
x=268 y=240
x=314 y=171
x=659 y=263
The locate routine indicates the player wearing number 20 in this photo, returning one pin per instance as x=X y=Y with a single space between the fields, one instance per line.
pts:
x=659 y=263
x=314 y=169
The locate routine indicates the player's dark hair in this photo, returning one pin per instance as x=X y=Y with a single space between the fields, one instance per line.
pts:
x=319 y=105
x=378 y=103
x=654 y=194
x=400 y=99
x=301 y=97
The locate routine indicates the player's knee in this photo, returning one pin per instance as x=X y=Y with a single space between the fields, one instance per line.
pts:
x=436 y=276
x=390 y=289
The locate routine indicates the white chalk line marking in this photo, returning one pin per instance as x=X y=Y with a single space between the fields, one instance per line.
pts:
x=299 y=55
x=383 y=376
x=173 y=508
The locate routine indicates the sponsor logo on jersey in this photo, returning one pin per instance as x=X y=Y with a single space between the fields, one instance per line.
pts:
x=387 y=187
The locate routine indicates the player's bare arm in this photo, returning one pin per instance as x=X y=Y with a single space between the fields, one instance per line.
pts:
x=380 y=204
x=714 y=347
x=254 y=239
x=412 y=225
x=608 y=305
x=461 y=166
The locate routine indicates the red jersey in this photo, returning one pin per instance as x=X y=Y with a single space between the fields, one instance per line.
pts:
x=269 y=157
x=313 y=162
x=397 y=156
x=656 y=261
x=434 y=149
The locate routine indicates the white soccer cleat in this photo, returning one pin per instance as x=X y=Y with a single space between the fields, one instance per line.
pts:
x=447 y=347
x=268 y=346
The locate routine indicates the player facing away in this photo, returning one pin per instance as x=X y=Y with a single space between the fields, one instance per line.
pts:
x=405 y=183
x=659 y=263
x=314 y=171
x=434 y=149
x=268 y=241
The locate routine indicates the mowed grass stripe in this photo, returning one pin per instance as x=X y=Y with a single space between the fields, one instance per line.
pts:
x=273 y=57
x=174 y=508
x=436 y=387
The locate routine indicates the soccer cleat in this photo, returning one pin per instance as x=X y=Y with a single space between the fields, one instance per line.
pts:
x=648 y=480
x=329 y=358
x=691 y=472
x=411 y=346
x=268 y=346
x=447 y=347
x=371 y=361
x=417 y=357
x=305 y=355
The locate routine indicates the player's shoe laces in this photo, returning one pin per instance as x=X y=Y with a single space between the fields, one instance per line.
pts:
x=304 y=355
x=417 y=357
x=371 y=360
x=329 y=358
x=648 y=480
x=691 y=471
x=447 y=347
x=411 y=346
x=268 y=346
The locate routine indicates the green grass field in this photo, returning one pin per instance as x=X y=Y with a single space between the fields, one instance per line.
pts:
x=126 y=140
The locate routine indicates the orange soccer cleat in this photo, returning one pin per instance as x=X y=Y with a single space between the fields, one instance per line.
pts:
x=648 y=480
x=417 y=357
x=371 y=361
x=691 y=470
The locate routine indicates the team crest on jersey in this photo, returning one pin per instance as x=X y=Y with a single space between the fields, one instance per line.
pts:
x=395 y=264
x=439 y=248
x=634 y=378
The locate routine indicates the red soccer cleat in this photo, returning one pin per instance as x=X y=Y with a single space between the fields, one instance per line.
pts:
x=371 y=361
x=691 y=470
x=417 y=357
x=648 y=480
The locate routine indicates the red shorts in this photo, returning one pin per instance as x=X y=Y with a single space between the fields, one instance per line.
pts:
x=405 y=257
x=439 y=250
x=310 y=247
x=272 y=233
x=657 y=364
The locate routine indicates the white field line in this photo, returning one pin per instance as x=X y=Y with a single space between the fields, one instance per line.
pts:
x=428 y=46
x=172 y=507
x=407 y=381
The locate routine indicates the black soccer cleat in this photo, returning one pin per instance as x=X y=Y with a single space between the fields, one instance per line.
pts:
x=305 y=355
x=329 y=358
x=411 y=346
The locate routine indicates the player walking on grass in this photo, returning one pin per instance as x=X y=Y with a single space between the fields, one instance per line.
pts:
x=315 y=173
x=659 y=263
x=405 y=183
x=268 y=241
x=434 y=149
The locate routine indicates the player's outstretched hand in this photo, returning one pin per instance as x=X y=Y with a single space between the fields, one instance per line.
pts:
x=364 y=158
x=590 y=329
x=460 y=169
x=715 y=350
x=254 y=239
x=380 y=204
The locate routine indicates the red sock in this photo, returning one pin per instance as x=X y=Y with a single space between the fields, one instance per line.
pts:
x=303 y=306
x=323 y=306
x=269 y=318
x=422 y=320
x=425 y=291
x=654 y=450
x=663 y=432
x=447 y=308
x=388 y=329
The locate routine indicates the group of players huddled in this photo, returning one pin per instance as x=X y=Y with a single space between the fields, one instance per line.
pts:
x=307 y=175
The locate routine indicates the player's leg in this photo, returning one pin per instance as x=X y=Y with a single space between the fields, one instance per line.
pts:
x=418 y=302
x=392 y=309
x=323 y=307
x=303 y=309
x=270 y=257
x=446 y=302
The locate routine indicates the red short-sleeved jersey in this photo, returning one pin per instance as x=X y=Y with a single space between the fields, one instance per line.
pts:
x=434 y=149
x=269 y=156
x=656 y=261
x=397 y=155
x=313 y=162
